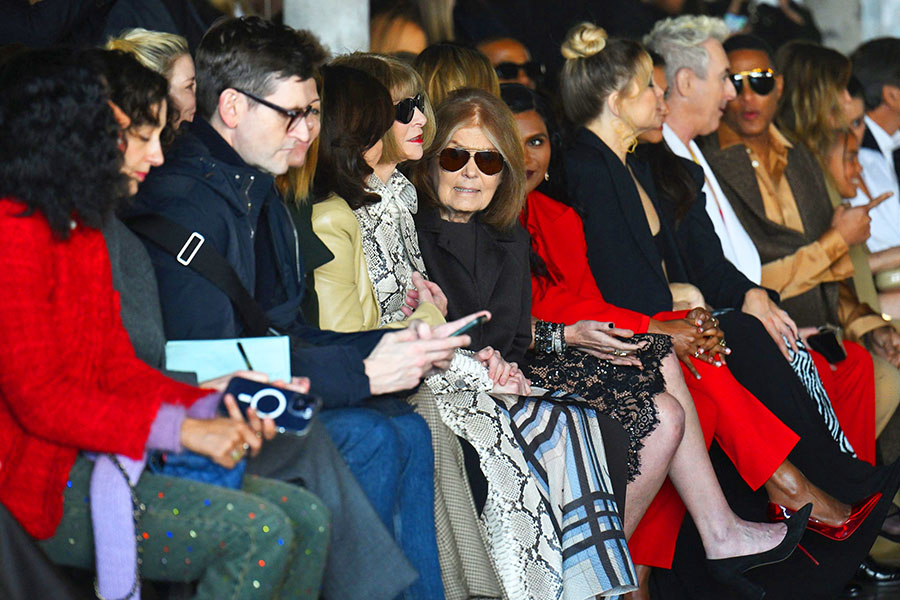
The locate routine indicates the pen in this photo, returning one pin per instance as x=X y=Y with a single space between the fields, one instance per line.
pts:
x=244 y=356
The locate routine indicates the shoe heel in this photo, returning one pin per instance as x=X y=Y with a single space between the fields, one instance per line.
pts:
x=737 y=581
x=730 y=571
x=808 y=555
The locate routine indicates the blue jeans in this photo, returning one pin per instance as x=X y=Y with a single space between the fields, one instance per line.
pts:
x=392 y=459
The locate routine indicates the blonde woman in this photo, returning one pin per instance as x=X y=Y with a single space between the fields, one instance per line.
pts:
x=168 y=55
x=447 y=66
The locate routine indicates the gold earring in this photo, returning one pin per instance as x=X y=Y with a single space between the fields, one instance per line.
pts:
x=546 y=175
x=632 y=146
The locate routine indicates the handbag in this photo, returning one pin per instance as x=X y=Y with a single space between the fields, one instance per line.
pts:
x=190 y=465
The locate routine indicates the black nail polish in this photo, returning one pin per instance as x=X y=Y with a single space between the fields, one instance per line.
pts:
x=612 y=325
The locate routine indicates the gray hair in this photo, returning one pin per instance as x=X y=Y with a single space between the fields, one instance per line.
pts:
x=679 y=41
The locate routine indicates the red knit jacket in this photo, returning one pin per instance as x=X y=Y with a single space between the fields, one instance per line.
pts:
x=570 y=293
x=69 y=378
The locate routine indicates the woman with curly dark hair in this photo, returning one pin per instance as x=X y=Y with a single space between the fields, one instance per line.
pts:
x=70 y=382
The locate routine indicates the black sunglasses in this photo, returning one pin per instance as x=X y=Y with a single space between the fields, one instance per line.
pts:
x=510 y=70
x=406 y=108
x=762 y=81
x=488 y=162
x=294 y=116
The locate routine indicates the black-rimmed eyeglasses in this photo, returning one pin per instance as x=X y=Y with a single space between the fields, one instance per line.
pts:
x=294 y=116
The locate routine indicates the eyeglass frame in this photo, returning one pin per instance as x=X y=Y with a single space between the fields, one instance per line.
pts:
x=417 y=101
x=533 y=69
x=757 y=74
x=294 y=116
x=472 y=154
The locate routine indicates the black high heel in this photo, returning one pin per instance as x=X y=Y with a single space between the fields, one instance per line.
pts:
x=730 y=571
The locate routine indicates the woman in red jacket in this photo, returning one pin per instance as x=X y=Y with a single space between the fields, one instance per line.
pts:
x=69 y=380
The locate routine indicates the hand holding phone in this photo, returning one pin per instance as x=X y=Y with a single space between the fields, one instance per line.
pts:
x=292 y=411
x=468 y=326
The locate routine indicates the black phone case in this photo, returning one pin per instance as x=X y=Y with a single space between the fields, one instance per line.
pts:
x=291 y=411
x=826 y=343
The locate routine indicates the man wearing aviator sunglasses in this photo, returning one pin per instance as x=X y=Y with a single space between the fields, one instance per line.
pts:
x=779 y=193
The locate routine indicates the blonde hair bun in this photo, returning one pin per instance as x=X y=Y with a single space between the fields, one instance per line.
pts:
x=584 y=40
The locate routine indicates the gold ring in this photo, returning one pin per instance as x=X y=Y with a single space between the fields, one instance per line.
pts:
x=722 y=343
x=238 y=453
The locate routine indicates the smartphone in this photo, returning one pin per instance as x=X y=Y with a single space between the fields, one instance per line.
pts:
x=828 y=345
x=292 y=411
x=469 y=325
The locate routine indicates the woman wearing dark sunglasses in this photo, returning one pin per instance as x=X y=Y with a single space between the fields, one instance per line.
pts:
x=376 y=256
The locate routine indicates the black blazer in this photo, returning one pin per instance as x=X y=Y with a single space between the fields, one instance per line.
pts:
x=625 y=259
x=501 y=282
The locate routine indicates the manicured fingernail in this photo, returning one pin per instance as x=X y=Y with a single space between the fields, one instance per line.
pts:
x=718 y=363
x=727 y=350
x=702 y=351
x=697 y=376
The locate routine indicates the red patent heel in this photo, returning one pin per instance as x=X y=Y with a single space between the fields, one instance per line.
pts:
x=859 y=513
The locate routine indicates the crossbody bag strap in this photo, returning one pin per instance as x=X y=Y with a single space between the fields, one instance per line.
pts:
x=191 y=250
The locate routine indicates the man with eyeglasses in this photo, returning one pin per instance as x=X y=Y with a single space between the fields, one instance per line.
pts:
x=778 y=190
x=257 y=114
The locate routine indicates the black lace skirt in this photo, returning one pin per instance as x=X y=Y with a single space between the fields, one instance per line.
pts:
x=623 y=393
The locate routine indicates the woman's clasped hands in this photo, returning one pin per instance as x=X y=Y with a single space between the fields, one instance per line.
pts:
x=695 y=336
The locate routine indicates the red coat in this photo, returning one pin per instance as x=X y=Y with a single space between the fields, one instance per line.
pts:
x=69 y=379
x=570 y=294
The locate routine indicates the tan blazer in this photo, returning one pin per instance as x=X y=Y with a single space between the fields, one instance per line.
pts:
x=346 y=297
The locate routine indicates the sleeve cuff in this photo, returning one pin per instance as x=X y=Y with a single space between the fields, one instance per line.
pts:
x=863 y=325
x=833 y=244
x=165 y=431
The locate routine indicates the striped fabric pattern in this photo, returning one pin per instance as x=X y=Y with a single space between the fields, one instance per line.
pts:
x=561 y=443
x=803 y=365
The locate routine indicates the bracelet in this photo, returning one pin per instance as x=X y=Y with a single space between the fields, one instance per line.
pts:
x=550 y=337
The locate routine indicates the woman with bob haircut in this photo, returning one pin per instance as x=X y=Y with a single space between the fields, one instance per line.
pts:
x=447 y=66
x=357 y=201
x=75 y=386
x=519 y=510
x=168 y=55
x=632 y=255
x=349 y=138
x=383 y=224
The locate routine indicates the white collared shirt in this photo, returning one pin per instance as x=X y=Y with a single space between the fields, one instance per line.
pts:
x=879 y=175
x=736 y=242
